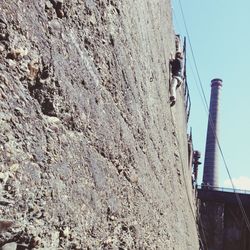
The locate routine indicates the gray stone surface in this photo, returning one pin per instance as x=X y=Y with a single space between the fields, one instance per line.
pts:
x=92 y=156
x=9 y=246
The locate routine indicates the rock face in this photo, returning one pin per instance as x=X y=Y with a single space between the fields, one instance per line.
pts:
x=92 y=156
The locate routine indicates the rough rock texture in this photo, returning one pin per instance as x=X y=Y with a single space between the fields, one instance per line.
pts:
x=92 y=155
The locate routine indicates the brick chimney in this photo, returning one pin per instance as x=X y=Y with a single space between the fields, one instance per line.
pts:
x=211 y=169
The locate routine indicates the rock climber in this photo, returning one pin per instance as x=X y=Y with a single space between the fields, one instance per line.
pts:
x=177 y=76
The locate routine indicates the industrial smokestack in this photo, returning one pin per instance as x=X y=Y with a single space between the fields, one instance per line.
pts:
x=210 y=173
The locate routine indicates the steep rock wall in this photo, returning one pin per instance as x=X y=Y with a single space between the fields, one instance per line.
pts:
x=92 y=156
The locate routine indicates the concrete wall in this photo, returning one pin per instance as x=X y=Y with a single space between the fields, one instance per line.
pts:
x=212 y=224
x=92 y=156
x=221 y=223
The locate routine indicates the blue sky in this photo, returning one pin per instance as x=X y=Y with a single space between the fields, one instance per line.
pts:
x=220 y=37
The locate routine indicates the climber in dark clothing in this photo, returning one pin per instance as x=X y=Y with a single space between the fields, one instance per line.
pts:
x=177 y=75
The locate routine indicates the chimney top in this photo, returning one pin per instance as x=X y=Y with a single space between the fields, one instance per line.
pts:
x=216 y=82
